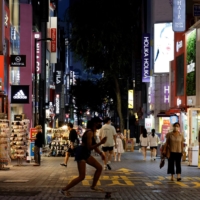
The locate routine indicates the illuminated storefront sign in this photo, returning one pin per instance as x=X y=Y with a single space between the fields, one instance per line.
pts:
x=17 y=60
x=38 y=52
x=166 y=94
x=53 y=37
x=146 y=58
x=20 y=94
x=179 y=15
x=130 y=99
x=57 y=104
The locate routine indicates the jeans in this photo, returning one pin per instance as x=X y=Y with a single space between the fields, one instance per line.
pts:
x=175 y=158
x=37 y=154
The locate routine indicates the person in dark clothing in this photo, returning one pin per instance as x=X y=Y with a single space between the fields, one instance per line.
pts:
x=83 y=156
x=73 y=138
x=39 y=141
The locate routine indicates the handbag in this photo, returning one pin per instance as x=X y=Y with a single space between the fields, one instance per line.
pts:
x=166 y=148
x=162 y=162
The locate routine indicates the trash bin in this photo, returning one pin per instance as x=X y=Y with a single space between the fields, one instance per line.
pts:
x=193 y=156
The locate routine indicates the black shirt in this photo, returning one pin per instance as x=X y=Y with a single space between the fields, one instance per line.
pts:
x=73 y=136
x=39 y=139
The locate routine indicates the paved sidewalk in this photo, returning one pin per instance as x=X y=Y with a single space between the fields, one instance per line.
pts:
x=132 y=178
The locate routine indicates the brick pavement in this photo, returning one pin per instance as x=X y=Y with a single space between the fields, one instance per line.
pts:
x=132 y=178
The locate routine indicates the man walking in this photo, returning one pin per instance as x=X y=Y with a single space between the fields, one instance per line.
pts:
x=39 y=141
x=73 y=138
x=108 y=131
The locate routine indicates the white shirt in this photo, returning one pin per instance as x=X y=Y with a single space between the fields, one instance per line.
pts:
x=153 y=140
x=143 y=141
x=108 y=131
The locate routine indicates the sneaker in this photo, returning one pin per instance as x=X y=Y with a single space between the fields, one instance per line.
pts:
x=108 y=166
x=36 y=164
x=105 y=167
x=63 y=164
x=108 y=163
x=119 y=159
x=115 y=159
x=96 y=189
x=65 y=193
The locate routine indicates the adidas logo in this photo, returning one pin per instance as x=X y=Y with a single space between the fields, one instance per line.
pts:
x=20 y=95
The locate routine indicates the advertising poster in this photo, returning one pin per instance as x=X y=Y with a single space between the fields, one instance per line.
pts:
x=33 y=132
x=129 y=144
x=164 y=131
x=191 y=58
x=32 y=144
x=163 y=47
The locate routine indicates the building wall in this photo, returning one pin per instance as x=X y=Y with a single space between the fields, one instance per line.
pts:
x=26 y=49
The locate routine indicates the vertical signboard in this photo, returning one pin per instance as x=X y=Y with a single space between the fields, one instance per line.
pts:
x=53 y=37
x=1 y=72
x=146 y=58
x=37 y=56
x=130 y=99
x=179 y=15
x=58 y=77
x=57 y=104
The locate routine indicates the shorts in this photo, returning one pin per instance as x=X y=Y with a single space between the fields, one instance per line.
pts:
x=70 y=150
x=82 y=153
x=153 y=147
x=105 y=149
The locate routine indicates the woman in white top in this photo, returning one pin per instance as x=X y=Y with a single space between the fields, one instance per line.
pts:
x=153 y=141
x=144 y=143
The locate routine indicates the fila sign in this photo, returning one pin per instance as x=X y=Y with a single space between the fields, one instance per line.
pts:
x=20 y=94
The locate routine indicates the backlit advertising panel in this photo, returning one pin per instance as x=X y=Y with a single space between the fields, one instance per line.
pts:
x=191 y=58
x=163 y=47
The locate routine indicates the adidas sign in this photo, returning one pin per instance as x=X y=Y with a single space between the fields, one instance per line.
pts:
x=20 y=95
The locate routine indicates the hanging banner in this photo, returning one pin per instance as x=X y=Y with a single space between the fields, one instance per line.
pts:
x=146 y=57
x=179 y=15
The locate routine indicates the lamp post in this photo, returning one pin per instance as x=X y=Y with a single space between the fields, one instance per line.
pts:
x=36 y=66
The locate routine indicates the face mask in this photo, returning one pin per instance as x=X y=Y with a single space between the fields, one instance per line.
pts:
x=176 y=128
x=99 y=126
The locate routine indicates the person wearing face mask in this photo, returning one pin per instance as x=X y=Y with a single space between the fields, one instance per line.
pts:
x=175 y=143
x=83 y=156
x=108 y=131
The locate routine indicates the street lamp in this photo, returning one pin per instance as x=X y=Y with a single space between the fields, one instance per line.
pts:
x=37 y=40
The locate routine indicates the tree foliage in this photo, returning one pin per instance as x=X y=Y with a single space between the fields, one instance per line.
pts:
x=102 y=37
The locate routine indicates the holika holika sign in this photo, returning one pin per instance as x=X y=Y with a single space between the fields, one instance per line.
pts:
x=146 y=58
x=179 y=15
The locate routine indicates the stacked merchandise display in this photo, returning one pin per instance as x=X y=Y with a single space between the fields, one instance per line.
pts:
x=19 y=140
x=4 y=144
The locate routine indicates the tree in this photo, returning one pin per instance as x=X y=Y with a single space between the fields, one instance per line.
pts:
x=102 y=37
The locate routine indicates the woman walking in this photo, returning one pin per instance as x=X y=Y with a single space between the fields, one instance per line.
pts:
x=144 y=143
x=175 y=144
x=83 y=156
x=153 y=142
x=120 y=149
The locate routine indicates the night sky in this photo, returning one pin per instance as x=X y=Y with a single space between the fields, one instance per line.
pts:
x=62 y=6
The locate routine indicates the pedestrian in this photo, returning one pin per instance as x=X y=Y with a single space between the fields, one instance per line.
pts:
x=108 y=131
x=153 y=142
x=83 y=156
x=73 y=139
x=174 y=142
x=144 y=142
x=39 y=141
x=120 y=149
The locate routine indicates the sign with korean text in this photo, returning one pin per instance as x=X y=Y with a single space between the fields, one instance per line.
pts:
x=179 y=15
x=130 y=99
x=37 y=57
x=146 y=57
x=53 y=37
